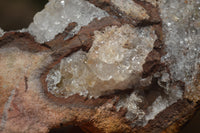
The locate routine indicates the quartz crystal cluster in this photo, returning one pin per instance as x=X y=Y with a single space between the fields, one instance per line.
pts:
x=113 y=62
x=1 y=32
x=59 y=13
x=140 y=116
x=181 y=25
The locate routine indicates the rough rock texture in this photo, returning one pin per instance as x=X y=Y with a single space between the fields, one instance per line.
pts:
x=102 y=65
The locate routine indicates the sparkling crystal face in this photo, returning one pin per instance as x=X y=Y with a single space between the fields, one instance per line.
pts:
x=114 y=62
x=59 y=13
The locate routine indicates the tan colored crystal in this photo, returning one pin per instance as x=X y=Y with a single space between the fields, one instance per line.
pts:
x=131 y=8
x=114 y=62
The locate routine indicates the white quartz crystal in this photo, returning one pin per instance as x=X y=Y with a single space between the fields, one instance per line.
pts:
x=1 y=32
x=181 y=25
x=57 y=14
x=162 y=103
x=131 y=103
x=131 y=8
x=113 y=62
x=158 y=105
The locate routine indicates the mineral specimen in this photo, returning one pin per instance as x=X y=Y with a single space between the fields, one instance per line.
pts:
x=106 y=65
x=115 y=60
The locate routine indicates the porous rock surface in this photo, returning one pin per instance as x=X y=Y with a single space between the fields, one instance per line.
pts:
x=104 y=65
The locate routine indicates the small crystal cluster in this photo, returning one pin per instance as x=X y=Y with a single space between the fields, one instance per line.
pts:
x=113 y=62
x=140 y=116
x=163 y=102
x=1 y=32
x=59 y=13
x=131 y=103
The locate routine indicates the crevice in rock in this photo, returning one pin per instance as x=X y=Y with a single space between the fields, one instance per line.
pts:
x=66 y=129
x=22 y=40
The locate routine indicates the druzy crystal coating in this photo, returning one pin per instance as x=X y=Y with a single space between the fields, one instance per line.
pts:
x=59 y=13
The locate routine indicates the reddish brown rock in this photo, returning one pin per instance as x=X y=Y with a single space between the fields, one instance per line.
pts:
x=27 y=106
